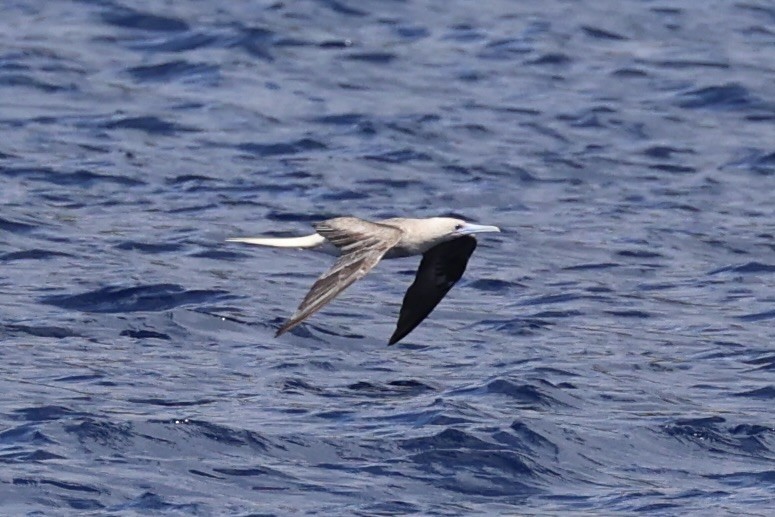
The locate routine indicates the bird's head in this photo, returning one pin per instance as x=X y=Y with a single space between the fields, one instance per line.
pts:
x=443 y=229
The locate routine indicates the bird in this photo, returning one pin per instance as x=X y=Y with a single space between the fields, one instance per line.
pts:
x=445 y=244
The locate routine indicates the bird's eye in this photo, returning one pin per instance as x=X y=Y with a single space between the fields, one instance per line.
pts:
x=459 y=226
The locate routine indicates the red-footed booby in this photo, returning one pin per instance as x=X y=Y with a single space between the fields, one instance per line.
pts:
x=445 y=244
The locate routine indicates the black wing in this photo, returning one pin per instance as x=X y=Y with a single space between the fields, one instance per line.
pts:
x=440 y=269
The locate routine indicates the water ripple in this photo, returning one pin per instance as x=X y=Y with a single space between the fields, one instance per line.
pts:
x=158 y=297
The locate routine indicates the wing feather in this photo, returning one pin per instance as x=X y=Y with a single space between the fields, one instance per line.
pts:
x=440 y=269
x=362 y=243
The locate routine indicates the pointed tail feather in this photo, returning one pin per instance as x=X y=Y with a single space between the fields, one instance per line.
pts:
x=308 y=241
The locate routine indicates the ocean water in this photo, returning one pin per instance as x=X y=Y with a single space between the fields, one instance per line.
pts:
x=611 y=352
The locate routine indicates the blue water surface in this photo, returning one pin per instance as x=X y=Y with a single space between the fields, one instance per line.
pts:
x=611 y=352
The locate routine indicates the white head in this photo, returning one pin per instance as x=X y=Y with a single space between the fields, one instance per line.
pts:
x=440 y=229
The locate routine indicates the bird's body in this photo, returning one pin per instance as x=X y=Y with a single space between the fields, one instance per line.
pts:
x=445 y=244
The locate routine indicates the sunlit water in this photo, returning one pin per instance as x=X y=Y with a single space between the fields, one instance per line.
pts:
x=610 y=352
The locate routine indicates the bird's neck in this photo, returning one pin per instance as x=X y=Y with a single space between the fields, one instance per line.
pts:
x=415 y=240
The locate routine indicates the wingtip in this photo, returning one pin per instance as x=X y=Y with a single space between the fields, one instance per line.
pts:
x=285 y=327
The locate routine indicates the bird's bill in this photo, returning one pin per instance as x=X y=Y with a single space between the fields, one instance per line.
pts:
x=469 y=229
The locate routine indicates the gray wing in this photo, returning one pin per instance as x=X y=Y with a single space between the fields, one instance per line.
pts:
x=362 y=243
x=441 y=267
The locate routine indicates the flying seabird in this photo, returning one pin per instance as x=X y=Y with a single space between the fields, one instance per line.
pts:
x=445 y=244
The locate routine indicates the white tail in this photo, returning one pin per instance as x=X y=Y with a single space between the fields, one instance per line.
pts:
x=308 y=241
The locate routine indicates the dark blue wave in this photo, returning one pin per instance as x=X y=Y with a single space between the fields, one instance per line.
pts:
x=158 y=297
